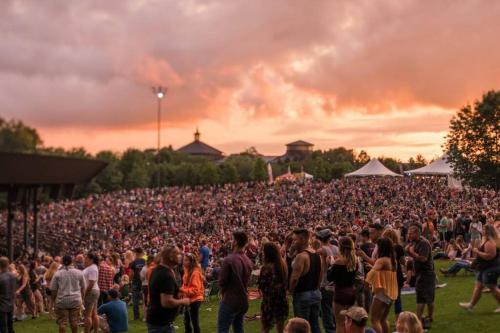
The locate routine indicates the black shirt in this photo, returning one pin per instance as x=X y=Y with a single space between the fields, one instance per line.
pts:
x=162 y=281
x=136 y=266
x=8 y=285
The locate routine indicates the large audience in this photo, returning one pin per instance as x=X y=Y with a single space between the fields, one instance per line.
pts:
x=342 y=250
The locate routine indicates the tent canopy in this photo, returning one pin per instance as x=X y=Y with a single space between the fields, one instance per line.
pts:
x=372 y=168
x=440 y=167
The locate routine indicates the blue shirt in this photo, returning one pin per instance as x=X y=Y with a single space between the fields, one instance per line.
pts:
x=116 y=314
x=205 y=253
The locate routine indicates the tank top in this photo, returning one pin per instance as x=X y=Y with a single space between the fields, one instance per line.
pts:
x=485 y=264
x=310 y=280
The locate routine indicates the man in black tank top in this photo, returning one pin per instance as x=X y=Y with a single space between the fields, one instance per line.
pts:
x=305 y=280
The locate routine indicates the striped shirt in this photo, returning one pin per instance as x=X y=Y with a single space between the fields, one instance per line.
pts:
x=67 y=284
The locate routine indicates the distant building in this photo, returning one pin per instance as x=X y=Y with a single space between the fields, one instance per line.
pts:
x=298 y=150
x=198 y=148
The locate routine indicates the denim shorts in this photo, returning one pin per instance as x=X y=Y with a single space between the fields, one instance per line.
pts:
x=489 y=276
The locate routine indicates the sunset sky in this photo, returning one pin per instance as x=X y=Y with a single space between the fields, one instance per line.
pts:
x=383 y=76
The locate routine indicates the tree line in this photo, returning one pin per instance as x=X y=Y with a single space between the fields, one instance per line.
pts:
x=472 y=145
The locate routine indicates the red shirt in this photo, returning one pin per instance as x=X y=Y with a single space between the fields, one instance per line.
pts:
x=106 y=275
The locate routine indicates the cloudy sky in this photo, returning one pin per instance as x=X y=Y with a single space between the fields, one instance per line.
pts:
x=384 y=76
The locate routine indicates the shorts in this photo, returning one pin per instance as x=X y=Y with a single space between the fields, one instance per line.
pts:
x=90 y=301
x=383 y=298
x=63 y=315
x=345 y=296
x=425 y=288
x=489 y=276
x=145 y=290
x=475 y=236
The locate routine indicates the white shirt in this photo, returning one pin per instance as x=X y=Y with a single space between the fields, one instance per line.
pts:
x=91 y=273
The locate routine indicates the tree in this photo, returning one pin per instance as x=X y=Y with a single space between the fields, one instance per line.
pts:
x=362 y=158
x=208 y=174
x=228 y=173
x=391 y=163
x=259 y=171
x=17 y=137
x=473 y=143
x=134 y=167
x=244 y=164
x=109 y=179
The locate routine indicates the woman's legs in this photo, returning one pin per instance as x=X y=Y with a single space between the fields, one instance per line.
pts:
x=194 y=311
x=384 y=321
x=377 y=311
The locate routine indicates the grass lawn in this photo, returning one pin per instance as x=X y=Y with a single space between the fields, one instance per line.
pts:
x=448 y=317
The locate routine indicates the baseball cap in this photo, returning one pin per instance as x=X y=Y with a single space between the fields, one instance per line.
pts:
x=356 y=313
x=324 y=233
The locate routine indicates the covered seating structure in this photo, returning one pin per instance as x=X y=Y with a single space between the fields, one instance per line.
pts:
x=372 y=168
x=24 y=176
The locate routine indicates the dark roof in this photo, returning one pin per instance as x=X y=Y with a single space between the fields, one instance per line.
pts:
x=300 y=143
x=199 y=148
x=34 y=169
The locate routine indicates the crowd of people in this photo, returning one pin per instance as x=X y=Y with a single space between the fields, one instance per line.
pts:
x=342 y=251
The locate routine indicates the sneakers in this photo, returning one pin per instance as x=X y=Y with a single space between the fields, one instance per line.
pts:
x=466 y=306
x=497 y=310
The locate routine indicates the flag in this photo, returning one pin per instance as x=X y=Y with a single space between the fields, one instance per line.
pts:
x=270 y=173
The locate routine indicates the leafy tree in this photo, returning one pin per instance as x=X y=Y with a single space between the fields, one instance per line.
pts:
x=259 y=171
x=17 y=137
x=391 y=163
x=110 y=179
x=228 y=173
x=473 y=143
x=134 y=167
x=244 y=165
x=362 y=158
x=208 y=174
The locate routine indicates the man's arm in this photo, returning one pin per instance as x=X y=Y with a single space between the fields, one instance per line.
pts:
x=297 y=269
x=168 y=301
x=224 y=273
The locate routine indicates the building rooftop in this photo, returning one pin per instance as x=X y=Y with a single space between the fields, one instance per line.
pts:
x=300 y=143
x=198 y=147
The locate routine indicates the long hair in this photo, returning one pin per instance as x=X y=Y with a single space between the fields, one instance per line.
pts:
x=346 y=249
x=193 y=263
x=410 y=322
x=392 y=235
x=386 y=250
x=51 y=271
x=273 y=257
x=490 y=233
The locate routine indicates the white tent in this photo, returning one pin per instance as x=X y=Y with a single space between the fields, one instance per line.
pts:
x=439 y=167
x=372 y=168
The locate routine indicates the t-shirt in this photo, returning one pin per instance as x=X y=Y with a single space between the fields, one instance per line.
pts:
x=162 y=282
x=204 y=254
x=116 y=315
x=423 y=248
x=91 y=273
x=136 y=266
x=442 y=227
x=7 y=291
x=233 y=280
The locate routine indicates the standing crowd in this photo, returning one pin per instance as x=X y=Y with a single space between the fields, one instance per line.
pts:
x=341 y=251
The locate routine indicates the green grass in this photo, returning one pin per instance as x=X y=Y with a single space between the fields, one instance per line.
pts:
x=448 y=317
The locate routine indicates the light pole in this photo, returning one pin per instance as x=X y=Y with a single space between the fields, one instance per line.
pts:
x=160 y=92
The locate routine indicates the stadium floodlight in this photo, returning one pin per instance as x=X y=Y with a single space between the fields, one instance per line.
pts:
x=160 y=93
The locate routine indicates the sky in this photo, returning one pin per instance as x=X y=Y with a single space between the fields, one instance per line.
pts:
x=384 y=76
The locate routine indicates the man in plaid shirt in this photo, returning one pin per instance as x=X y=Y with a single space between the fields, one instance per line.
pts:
x=106 y=276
